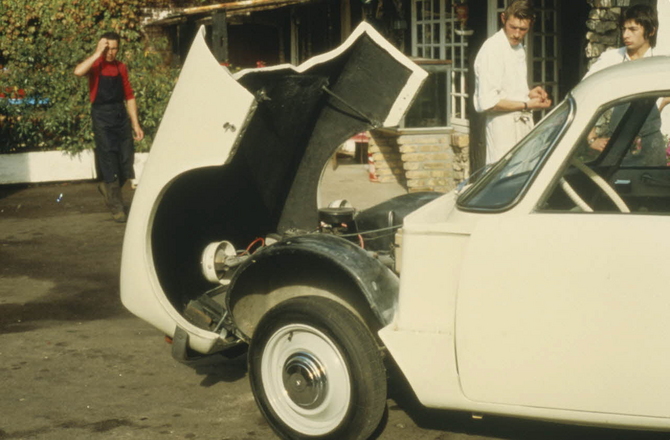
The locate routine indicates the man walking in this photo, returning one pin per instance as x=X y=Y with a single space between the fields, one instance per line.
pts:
x=115 y=120
x=501 y=84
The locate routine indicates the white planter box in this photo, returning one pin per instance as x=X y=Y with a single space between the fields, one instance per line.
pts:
x=53 y=166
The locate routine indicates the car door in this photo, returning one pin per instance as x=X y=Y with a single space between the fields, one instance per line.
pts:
x=570 y=311
x=566 y=306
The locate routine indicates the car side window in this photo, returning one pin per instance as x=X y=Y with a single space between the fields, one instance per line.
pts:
x=506 y=181
x=620 y=164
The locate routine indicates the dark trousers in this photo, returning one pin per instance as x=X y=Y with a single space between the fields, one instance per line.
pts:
x=114 y=149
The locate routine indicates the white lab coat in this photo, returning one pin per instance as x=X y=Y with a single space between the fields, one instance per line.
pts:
x=501 y=73
x=612 y=57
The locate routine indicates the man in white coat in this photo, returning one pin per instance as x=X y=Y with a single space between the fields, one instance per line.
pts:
x=501 y=83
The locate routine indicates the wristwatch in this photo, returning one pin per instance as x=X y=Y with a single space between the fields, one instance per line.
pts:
x=591 y=140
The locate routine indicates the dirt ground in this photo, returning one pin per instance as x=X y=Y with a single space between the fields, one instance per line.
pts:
x=74 y=364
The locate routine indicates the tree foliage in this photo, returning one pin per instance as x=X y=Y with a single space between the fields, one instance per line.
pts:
x=43 y=105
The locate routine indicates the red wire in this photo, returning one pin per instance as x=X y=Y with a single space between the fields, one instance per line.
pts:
x=259 y=239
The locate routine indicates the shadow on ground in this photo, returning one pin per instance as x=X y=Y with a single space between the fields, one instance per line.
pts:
x=491 y=426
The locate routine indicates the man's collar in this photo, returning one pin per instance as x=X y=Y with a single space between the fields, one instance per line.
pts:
x=648 y=53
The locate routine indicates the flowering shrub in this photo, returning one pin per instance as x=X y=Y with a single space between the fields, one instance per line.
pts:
x=43 y=105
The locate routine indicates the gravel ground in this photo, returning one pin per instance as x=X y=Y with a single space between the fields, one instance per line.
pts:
x=74 y=364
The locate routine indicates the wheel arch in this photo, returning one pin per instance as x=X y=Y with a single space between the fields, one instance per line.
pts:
x=321 y=265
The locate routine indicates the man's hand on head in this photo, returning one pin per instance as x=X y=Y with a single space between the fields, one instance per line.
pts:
x=103 y=44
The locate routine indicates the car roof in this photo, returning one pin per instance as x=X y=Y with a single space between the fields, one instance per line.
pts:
x=625 y=79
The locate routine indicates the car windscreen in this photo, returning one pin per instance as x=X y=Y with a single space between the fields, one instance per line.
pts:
x=505 y=182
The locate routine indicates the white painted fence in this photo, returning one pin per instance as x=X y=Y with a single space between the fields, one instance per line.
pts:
x=54 y=166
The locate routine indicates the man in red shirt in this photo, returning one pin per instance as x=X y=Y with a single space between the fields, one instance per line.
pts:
x=115 y=121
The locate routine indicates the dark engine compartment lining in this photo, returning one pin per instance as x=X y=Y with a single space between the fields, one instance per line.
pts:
x=270 y=184
x=201 y=207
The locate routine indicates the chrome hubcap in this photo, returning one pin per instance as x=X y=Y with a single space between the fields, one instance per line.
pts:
x=305 y=380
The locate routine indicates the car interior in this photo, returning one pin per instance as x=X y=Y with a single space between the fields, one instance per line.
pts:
x=630 y=174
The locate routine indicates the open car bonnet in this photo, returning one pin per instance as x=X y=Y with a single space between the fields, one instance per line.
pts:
x=237 y=158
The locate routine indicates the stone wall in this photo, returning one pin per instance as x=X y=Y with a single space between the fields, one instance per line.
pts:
x=420 y=161
x=603 y=27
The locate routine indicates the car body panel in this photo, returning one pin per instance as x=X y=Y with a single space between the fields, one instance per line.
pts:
x=554 y=316
x=241 y=158
x=197 y=130
x=400 y=99
x=560 y=310
x=514 y=311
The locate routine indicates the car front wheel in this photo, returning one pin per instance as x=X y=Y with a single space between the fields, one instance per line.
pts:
x=316 y=371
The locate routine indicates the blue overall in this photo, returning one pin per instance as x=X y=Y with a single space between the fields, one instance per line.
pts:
x=114 y=149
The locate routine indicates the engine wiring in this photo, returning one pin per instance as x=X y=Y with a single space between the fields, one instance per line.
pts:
x=390 y=228
x=260 y=240
x=359 y=235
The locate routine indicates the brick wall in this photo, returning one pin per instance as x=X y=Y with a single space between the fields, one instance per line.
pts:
x=420 y=162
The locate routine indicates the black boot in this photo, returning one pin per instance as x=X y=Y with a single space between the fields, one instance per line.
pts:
x=114 y=201
x=102 y=189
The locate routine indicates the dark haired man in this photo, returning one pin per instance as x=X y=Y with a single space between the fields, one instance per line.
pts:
x=115 y=120
x=501 y=84
x=639 y=27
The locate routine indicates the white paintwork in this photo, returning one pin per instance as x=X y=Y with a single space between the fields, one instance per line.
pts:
x=191 y=135
x=566 y=296
x=54 y=166
x=549 y=316
x=405 y=97
x=46 y=166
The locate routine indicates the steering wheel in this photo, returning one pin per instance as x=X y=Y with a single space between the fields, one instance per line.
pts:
x=599 y=181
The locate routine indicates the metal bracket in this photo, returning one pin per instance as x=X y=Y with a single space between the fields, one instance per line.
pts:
x=180 y=350
x=359 y=113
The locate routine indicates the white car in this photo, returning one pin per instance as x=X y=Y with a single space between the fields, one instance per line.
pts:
x=536 y=291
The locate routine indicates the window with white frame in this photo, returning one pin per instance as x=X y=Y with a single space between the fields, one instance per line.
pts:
x=544 y=47
x=437 y=34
